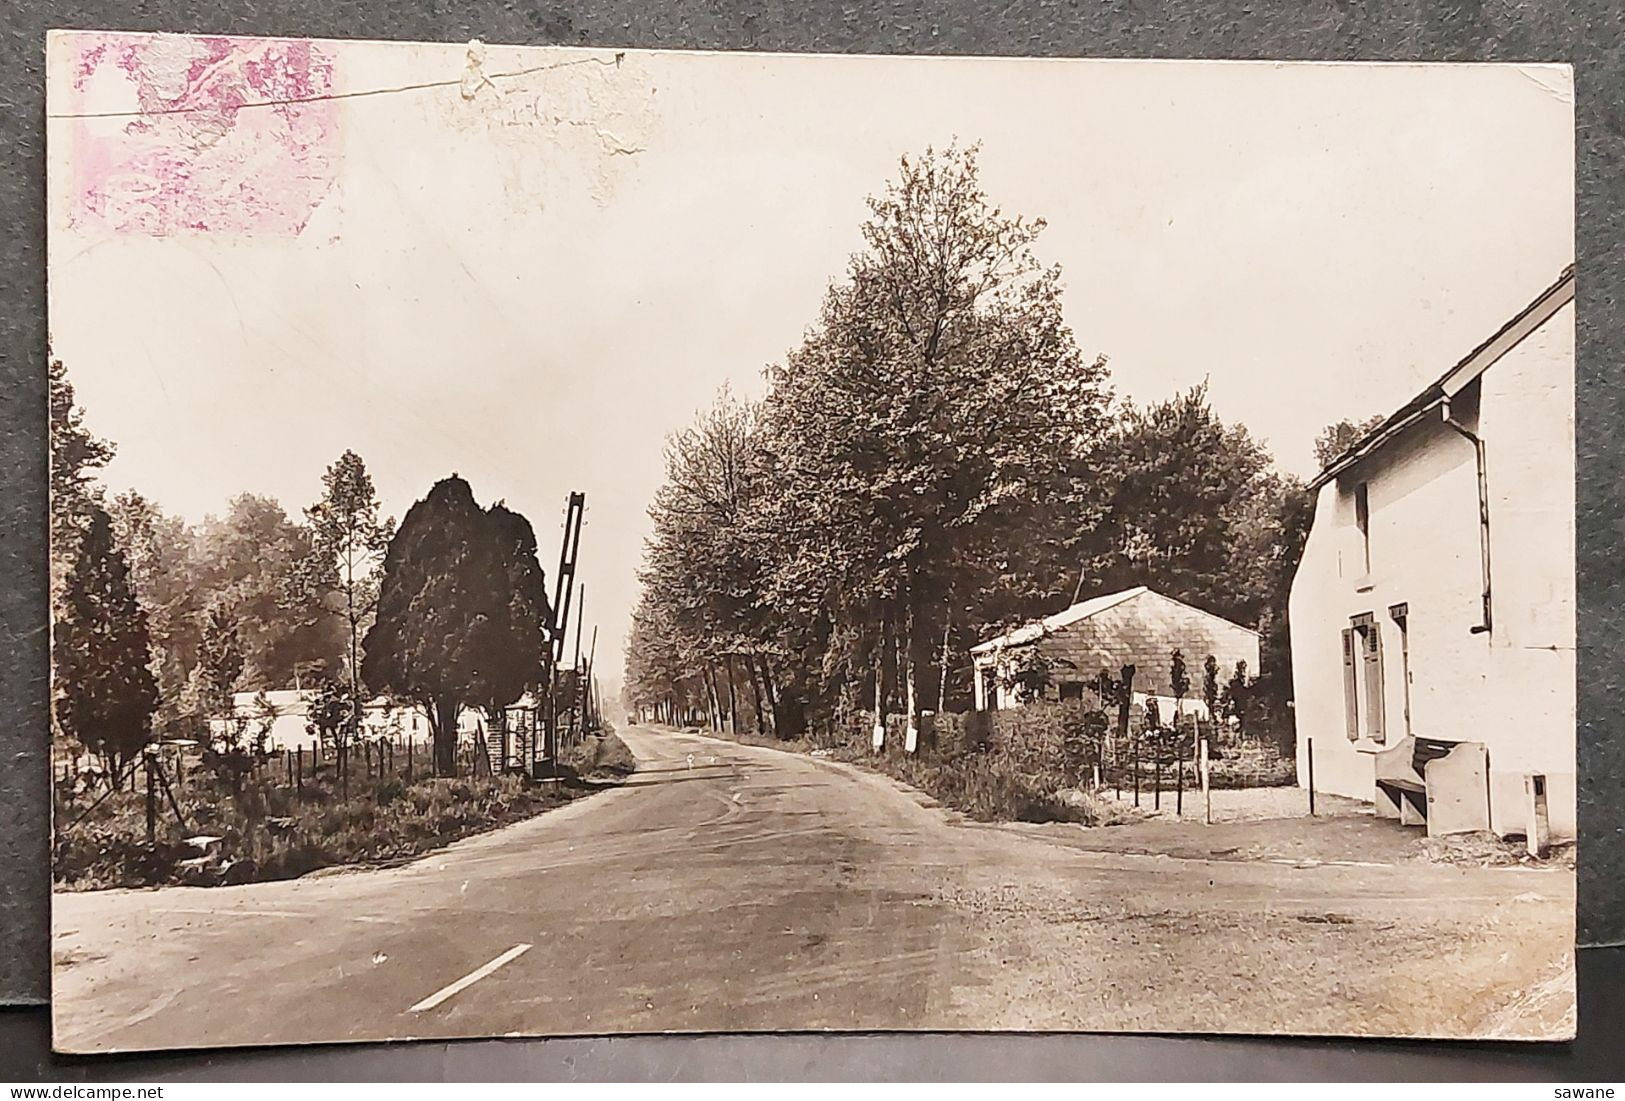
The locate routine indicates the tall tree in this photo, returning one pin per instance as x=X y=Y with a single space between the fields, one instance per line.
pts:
x=348 y=541
x=161 y=551
x=104 y=690
x=938 y=407
x=76 y=455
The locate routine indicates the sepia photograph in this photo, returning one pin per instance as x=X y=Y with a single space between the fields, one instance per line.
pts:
x=554 y=541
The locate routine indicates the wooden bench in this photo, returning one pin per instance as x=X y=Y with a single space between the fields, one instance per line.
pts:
x=1456 y=800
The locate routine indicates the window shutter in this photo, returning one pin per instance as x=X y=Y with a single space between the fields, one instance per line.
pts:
x=1351 y=699
x=1373 y=682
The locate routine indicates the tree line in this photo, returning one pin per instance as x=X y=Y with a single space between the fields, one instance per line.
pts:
x=935 y=462
x=158 y=622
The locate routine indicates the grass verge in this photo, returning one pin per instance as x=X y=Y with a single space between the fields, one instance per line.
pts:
x=269 y=831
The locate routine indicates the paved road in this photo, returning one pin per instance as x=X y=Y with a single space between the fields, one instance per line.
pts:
x=728 y=887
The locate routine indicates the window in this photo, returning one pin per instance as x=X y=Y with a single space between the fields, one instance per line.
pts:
x=1071 y=690
x=1362 y=680
x=1351 y=686
x=1362 y=520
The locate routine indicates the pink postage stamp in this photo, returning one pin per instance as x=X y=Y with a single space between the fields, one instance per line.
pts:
x=176 y=134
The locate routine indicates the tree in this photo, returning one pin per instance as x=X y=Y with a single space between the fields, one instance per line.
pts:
x=1210 y=687
x=161 y=551
x=1179 y=679
x=327 y=716
x=1337 y=438
x=347 y=545
x=105 y=693
x=459 y=611
x=1175 y=476
x=257 y=561
x=703 y=565
x=76 y=455
x=1029 y=674
x=219 y=663
x=1238 y=697
x=513 y=638
x=936 y=415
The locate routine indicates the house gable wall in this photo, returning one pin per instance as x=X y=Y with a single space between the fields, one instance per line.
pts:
x=1512 y=688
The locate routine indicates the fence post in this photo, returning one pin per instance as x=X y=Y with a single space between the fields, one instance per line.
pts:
x=1134 y=752
x=409 y=744
x=1309 y=753
x=1207 y=784
x=1179 y=785
x=299 y=769
x=152 y=799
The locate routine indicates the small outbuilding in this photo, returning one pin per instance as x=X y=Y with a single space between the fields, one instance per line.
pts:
x=1135 y=627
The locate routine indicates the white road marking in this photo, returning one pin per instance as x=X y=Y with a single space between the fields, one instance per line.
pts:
x=470 y=979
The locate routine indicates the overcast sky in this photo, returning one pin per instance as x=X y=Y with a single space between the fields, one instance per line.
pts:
x=533 y=287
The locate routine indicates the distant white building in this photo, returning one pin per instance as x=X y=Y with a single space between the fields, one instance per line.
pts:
x=379 y=718
x=1432 y=614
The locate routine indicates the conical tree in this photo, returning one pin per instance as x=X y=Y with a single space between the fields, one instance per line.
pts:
x=105 y=690
x=434 y=601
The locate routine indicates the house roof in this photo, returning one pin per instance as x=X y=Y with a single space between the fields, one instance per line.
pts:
x=1032 y=632
x=1453 y=381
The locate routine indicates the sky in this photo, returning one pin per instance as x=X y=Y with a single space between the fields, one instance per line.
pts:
x=532 y=280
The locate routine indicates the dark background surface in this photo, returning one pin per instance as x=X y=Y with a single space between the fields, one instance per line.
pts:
x=1584 y=32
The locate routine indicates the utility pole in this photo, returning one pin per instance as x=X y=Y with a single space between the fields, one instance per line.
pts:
x=589 y=701
x=574 y=508
x=577 y=712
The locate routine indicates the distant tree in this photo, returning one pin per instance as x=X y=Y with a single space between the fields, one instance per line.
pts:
x=76 y=455
x=327 y=716
x=1174 y=475
x=220 y=662
x=1179 y=679
x=1337 y=438
x=253 y=559
x=104 y=690
x=1238 y=697
x=347 y=544
x=1210 y=687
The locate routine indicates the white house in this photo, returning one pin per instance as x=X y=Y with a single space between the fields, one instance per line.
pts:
x=380 y=718
x=1432 y=614
x=1136 y=627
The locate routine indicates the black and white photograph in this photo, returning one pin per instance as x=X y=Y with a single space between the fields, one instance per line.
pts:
x=557 y=541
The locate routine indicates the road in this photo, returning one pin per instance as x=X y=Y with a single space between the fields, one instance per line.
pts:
x=734 y=888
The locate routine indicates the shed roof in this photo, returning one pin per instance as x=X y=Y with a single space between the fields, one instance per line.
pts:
x=1032 y=632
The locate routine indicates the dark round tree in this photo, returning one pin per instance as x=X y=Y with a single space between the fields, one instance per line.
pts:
x=462 y=613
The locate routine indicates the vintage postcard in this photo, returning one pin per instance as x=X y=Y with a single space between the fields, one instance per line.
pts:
x=586 y=541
